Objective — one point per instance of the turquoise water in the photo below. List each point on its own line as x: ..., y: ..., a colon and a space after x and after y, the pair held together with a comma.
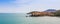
x: 19, y: 18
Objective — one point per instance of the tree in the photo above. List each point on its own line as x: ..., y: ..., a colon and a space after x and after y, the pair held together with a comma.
x: 57, y: 13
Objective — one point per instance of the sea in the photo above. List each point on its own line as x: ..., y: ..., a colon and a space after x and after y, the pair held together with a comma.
x: 20, y: 18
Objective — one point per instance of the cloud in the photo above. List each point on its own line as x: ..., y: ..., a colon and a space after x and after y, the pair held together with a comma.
x: 23, y: 2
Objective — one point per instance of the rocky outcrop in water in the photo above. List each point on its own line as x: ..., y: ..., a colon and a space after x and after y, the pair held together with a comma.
x: 41, y: 14
x: 45, y: 13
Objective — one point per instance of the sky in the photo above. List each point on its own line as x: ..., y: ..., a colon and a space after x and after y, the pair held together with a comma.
x: 24, y: 6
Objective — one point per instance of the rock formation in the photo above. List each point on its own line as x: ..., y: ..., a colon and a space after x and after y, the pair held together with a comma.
x: 49, y: 12
x: 41, y: 14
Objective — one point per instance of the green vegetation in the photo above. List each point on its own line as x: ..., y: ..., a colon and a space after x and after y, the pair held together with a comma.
x: 57, y: 13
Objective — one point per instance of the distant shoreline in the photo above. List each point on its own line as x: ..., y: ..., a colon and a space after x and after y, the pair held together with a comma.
x: 43, y: 16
